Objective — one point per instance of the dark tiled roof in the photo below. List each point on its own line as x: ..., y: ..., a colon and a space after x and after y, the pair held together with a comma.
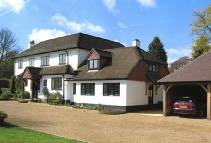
x: 104, y: 54
x: 123, y: 61
x: 198, y: 70
x: 149, y: 58
x: 55, y: 70
x: 78, y: 40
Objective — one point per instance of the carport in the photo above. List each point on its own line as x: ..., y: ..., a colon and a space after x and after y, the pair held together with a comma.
x: 194, y: 78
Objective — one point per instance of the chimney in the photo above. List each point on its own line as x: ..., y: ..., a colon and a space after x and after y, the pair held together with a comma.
x: 31, y: 44
x: 136, y: 42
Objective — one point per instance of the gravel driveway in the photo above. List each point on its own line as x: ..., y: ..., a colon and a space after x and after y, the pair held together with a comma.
x: 90, y: 126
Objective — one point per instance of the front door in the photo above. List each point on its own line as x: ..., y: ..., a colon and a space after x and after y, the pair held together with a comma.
x: 150, y: 96
x: 36, y: 88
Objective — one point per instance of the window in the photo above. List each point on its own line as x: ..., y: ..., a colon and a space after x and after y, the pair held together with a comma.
x: 111, y: 89
x: 62, y: 59
x: 26, y: 82
x: 152, y: 68
x: 45, y: 82
x: 93, y: 64
x: 56, y: 83
x: 74, y: 88
x: 20, y: 64
x: 31, y: 62
x: 87, y: 89
x: 45, y: 61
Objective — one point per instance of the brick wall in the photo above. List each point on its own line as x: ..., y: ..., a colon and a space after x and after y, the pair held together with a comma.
x: 138, y: 73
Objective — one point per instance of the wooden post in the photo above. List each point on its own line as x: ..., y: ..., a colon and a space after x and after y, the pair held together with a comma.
x: 164, y: 100
x: 22, y: 89
x: 209, y: 101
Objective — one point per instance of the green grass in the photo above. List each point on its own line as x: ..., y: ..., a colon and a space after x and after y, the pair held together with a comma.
x: 13, y: 134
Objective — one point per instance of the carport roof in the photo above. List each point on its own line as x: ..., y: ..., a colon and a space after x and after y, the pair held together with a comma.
x: 197, y: 71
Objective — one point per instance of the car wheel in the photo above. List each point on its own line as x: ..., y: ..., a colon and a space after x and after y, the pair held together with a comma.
x: 201, y: 113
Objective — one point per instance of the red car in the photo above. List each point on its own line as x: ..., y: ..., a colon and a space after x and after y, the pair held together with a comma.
x: 190, y: 105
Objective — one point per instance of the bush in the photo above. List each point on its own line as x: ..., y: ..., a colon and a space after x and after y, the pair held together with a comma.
x: 18, y: 84
x: 3, y: 115
x: 55, y: 96
x: 12, y: 84
x: 2, y: 90
x: 26, y: 95
x: 4, y: 83
x: 6, y: 95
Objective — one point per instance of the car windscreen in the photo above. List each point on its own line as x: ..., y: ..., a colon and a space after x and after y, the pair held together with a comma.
x: 185, y: 99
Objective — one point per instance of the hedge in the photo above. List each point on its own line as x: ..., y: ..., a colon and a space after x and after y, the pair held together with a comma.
x: 4, y: 83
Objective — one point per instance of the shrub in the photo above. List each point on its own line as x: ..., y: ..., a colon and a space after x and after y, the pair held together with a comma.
x: 6, y: 95
x: 12, y: 84
x: 55, y: 96
x: 26, y: 95
x: 18, y: 83
x: 4, y: 83
x: 95, y: 107
x: 2, y: 90
x: 3, y: 115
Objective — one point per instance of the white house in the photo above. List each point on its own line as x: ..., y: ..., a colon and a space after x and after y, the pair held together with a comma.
x: 92, y: 70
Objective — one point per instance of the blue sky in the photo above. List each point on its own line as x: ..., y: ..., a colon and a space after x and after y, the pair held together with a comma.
x: 118, y: 20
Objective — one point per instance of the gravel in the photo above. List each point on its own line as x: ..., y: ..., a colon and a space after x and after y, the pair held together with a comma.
x: 90, y: 126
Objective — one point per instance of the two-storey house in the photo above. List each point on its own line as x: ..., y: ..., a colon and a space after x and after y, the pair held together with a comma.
x: 92, y: 70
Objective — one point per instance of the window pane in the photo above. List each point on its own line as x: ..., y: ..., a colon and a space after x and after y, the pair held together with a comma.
x: 92, y: 89
x: 111, y: 89
x: 74, y: 88
x: 47, y: 62
x: 105, y: 89
x: 88, y: 89
x: 83, y: 89
x: 91, y: 64
x: 116, y: 89
x: 95, y: 64
x: 64, y: 59
x: 150, y: 67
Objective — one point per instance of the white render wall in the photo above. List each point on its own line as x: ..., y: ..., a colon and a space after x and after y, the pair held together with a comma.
x: 75, y: 58
x: 136, y: 93
x: 98, y: 97
x: 159, y: 96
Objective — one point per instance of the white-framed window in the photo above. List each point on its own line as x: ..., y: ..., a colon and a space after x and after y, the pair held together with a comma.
x: 20, y: 64
x: 62, y: 59
x: 45, y: 61
x: 31, y: 62
x: 93, y: 64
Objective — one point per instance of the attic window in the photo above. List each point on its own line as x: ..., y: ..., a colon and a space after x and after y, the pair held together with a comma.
x: 93, y: 64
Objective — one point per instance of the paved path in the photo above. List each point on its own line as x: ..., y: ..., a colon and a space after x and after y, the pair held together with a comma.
x: 89, y: 126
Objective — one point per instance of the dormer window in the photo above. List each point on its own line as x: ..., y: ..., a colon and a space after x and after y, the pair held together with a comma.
x: 93, y: 64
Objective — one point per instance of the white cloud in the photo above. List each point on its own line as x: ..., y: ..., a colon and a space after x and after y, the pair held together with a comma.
x: 122, y: 25
x: 45, y: 34
x: 11, y: 5
x: 110, y: 5
x: 76, y: 27
x: 147, y: 3
x: 176, y: 53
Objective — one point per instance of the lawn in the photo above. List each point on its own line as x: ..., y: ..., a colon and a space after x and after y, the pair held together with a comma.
x: 13, y: 134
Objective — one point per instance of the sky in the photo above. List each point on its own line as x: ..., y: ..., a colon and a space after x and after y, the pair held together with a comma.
x: 117, y: 20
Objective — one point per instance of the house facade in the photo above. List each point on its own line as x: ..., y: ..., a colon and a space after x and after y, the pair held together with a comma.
x: 92, y: 70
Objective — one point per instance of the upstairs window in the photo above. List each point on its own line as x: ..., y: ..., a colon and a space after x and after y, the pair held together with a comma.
x: 152, y: 68
x: 45, y: 61
x: 20, y: 64
x: 62, y: 59
x: 31, y: 62
x: 93, y: 64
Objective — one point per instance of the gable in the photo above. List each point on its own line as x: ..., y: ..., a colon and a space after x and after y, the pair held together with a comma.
x: 94, y: 56
x: 26, y: 75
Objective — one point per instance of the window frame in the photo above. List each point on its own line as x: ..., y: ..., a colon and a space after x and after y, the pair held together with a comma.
x: 56, y: 83
x: 26, y: 82
x: 111, y: 89
x: 20, y: 64
x: 74, y: 88
x: 152, y: 68
x: 31, y: 60
x: 86, y: 89
x: 45, y: 82
x: 93, y: 64
x: 62, y: 59
x: 45, y: 60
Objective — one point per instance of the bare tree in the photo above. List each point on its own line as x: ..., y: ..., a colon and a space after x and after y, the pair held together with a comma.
x: 8, y: 42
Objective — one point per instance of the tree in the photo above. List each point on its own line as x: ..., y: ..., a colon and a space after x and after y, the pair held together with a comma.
x: 8, y: 42
x: 156, y: 49
x: 202, y: 29
x: 200, y: 47
x: 12, y: 84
